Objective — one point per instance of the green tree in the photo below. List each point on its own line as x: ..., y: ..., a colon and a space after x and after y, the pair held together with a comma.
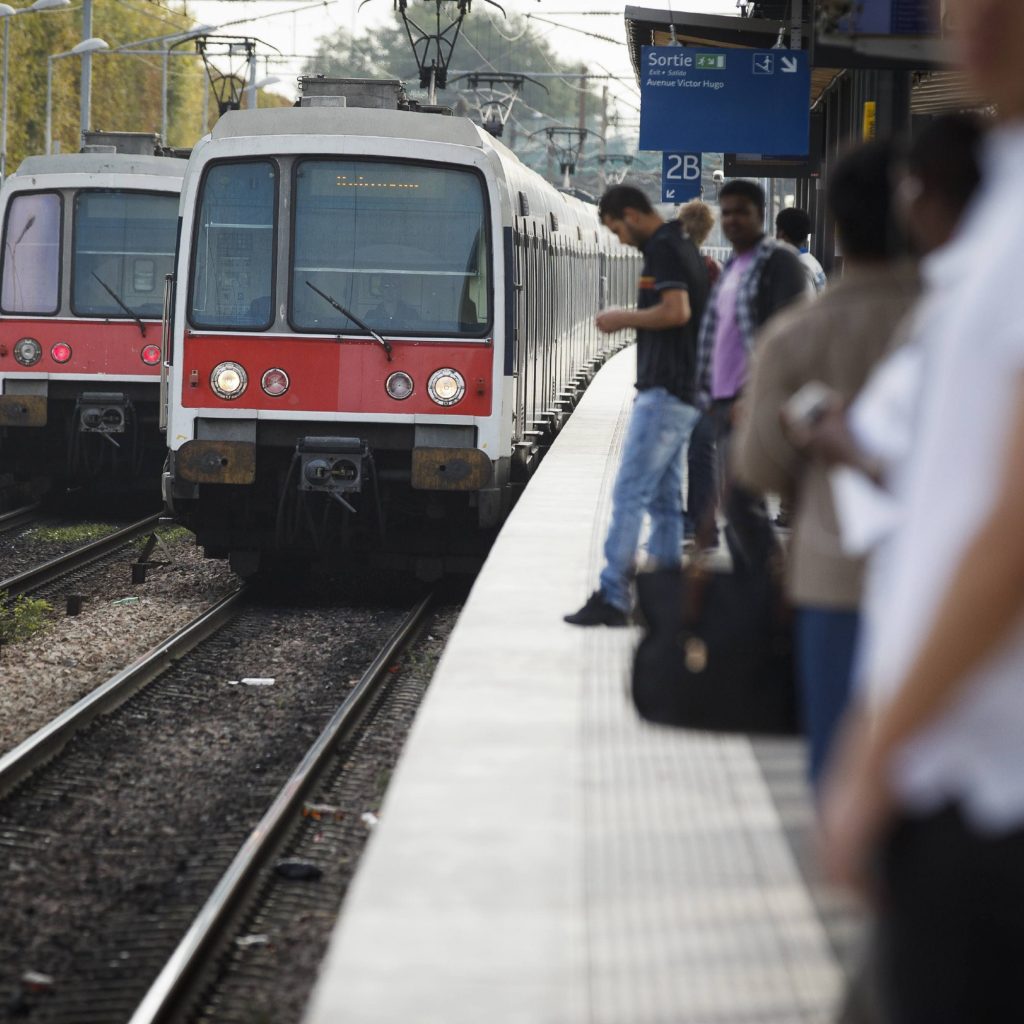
x: 127, y: 89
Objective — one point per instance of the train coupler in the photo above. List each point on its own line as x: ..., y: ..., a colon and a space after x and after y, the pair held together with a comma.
x: 103, y: 412
x: 333, y: 466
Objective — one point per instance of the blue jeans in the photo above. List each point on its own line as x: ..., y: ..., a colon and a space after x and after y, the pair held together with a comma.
x: 826, y: 641
x: 649, y: 480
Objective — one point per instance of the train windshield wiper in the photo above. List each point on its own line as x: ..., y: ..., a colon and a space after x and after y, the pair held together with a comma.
x: 117, y: 298
x: 359, y: 323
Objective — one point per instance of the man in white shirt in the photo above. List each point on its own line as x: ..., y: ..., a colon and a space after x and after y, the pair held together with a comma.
x: 793, y: 225
x: 930, y: 787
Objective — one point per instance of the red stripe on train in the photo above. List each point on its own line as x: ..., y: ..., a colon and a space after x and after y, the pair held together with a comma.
x: 111, y: 349
x: 331, y: 376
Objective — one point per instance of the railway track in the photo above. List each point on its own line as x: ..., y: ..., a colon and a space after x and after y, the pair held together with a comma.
x: 19, y: 763
x: 122, y: 817
x: 19, y: 518
x: 79, y: 558
x: 175, y: 990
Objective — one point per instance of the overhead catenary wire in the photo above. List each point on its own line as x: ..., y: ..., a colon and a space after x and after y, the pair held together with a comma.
x: 571, y: 28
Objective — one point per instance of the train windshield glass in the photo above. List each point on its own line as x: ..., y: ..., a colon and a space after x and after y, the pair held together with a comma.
x: 402, y: 246
x: 123, y: 246
x: 31, y: 276
x: 233, y: 264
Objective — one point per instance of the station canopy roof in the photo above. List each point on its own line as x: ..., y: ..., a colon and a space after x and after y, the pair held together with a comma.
x: 662, y: 26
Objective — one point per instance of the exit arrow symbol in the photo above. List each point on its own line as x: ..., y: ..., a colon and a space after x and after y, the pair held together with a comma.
x: 671, y: 193
x: 789, y: 65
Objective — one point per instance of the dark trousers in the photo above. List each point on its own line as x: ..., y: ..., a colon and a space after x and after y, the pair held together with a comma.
x: 826, y: 641
x: 701, y: 472
x: 951, y: 927
x: 704, y: 457
x: 748, y: 533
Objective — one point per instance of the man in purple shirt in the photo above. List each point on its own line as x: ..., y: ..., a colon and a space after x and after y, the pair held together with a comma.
x: 762, y: 277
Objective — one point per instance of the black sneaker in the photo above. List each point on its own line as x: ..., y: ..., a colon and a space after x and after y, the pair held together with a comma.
x: 598, y: 612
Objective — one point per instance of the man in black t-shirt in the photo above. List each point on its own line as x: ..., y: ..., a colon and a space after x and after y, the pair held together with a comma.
x: 672, y: 292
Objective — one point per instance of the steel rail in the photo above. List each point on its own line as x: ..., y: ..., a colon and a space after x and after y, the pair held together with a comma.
x: 19, y: 516
x: 185, y: 970
x: 32, y: 579
x: 41, y: 746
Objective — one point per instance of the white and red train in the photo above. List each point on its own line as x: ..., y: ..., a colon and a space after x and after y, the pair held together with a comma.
x: 379, y: 318
x: 88, y: 239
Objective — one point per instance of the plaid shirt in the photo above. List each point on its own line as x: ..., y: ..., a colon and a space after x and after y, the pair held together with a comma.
x: 746, y: 310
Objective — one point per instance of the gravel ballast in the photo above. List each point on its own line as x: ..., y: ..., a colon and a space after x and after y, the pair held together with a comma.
x: 71, y: 655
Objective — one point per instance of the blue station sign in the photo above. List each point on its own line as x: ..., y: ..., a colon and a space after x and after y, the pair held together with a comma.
x: 725, y: 101
x: 680, y: 177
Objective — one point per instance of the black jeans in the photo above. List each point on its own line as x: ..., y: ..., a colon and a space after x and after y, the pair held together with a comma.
x: 951, y: 927
x: 701, y: 471
x: 706, y: 459
x: 748, y: 533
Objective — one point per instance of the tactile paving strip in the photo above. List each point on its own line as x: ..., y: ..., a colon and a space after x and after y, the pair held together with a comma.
x: 696, y: 912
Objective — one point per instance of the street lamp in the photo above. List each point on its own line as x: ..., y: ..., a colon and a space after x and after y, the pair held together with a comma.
x: 84, y: 47
x: 179, y: 37
x: 7, y: 12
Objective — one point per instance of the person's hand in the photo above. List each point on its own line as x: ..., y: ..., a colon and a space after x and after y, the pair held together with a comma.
x: 827, y: 437
x: 857, y: 803
x: 612, y: 320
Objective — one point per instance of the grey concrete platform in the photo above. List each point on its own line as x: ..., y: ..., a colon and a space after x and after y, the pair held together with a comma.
x: 545, y: 858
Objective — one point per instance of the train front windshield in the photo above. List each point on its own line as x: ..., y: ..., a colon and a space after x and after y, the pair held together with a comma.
x: 31, y: 254
x: 122, y: 247
x: 404, y: 247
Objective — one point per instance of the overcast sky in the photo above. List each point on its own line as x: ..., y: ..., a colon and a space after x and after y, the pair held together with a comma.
x: 296, y: 32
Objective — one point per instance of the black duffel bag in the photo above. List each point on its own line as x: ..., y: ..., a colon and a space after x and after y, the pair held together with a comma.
x: 716, y: 653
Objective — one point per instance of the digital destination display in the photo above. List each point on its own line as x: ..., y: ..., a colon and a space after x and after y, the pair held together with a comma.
x: 891, y: 17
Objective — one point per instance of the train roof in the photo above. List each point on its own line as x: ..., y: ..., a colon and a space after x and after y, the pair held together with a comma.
x: 102, y: 163
x: 364, y: 121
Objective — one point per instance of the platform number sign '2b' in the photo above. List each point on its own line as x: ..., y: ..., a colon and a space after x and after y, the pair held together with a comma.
x: 680, y: 177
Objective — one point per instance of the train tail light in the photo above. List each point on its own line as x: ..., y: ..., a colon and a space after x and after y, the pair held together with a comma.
x: 150, y: 354
x: 61, y: 352
x: 399, y: 385
x: 275, y: 382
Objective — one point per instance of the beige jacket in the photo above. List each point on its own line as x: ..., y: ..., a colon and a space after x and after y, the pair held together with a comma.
x: 836, y: 339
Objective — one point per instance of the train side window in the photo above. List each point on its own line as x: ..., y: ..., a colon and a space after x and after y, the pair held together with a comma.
x: 233, y: 256
x: 31, y: 254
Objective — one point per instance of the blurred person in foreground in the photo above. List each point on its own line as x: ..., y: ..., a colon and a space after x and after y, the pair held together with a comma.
x: 930, y: 787
x: 936, y: 182
x: 793, y: 225
x: 672, y: 291
x: 761, y: 277
x: 835, y: 341
x: 697, y: 220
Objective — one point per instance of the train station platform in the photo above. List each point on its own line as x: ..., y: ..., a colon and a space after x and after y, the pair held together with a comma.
x: 544, y: 857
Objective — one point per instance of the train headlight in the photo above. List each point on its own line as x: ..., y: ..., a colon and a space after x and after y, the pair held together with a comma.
x: 446, y: 386
x: 275, y: 382
x: 228, y: 380
x: 28, y: 351
x: 399, y: 385
x: 150, y: 354
x: 61, y: 352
